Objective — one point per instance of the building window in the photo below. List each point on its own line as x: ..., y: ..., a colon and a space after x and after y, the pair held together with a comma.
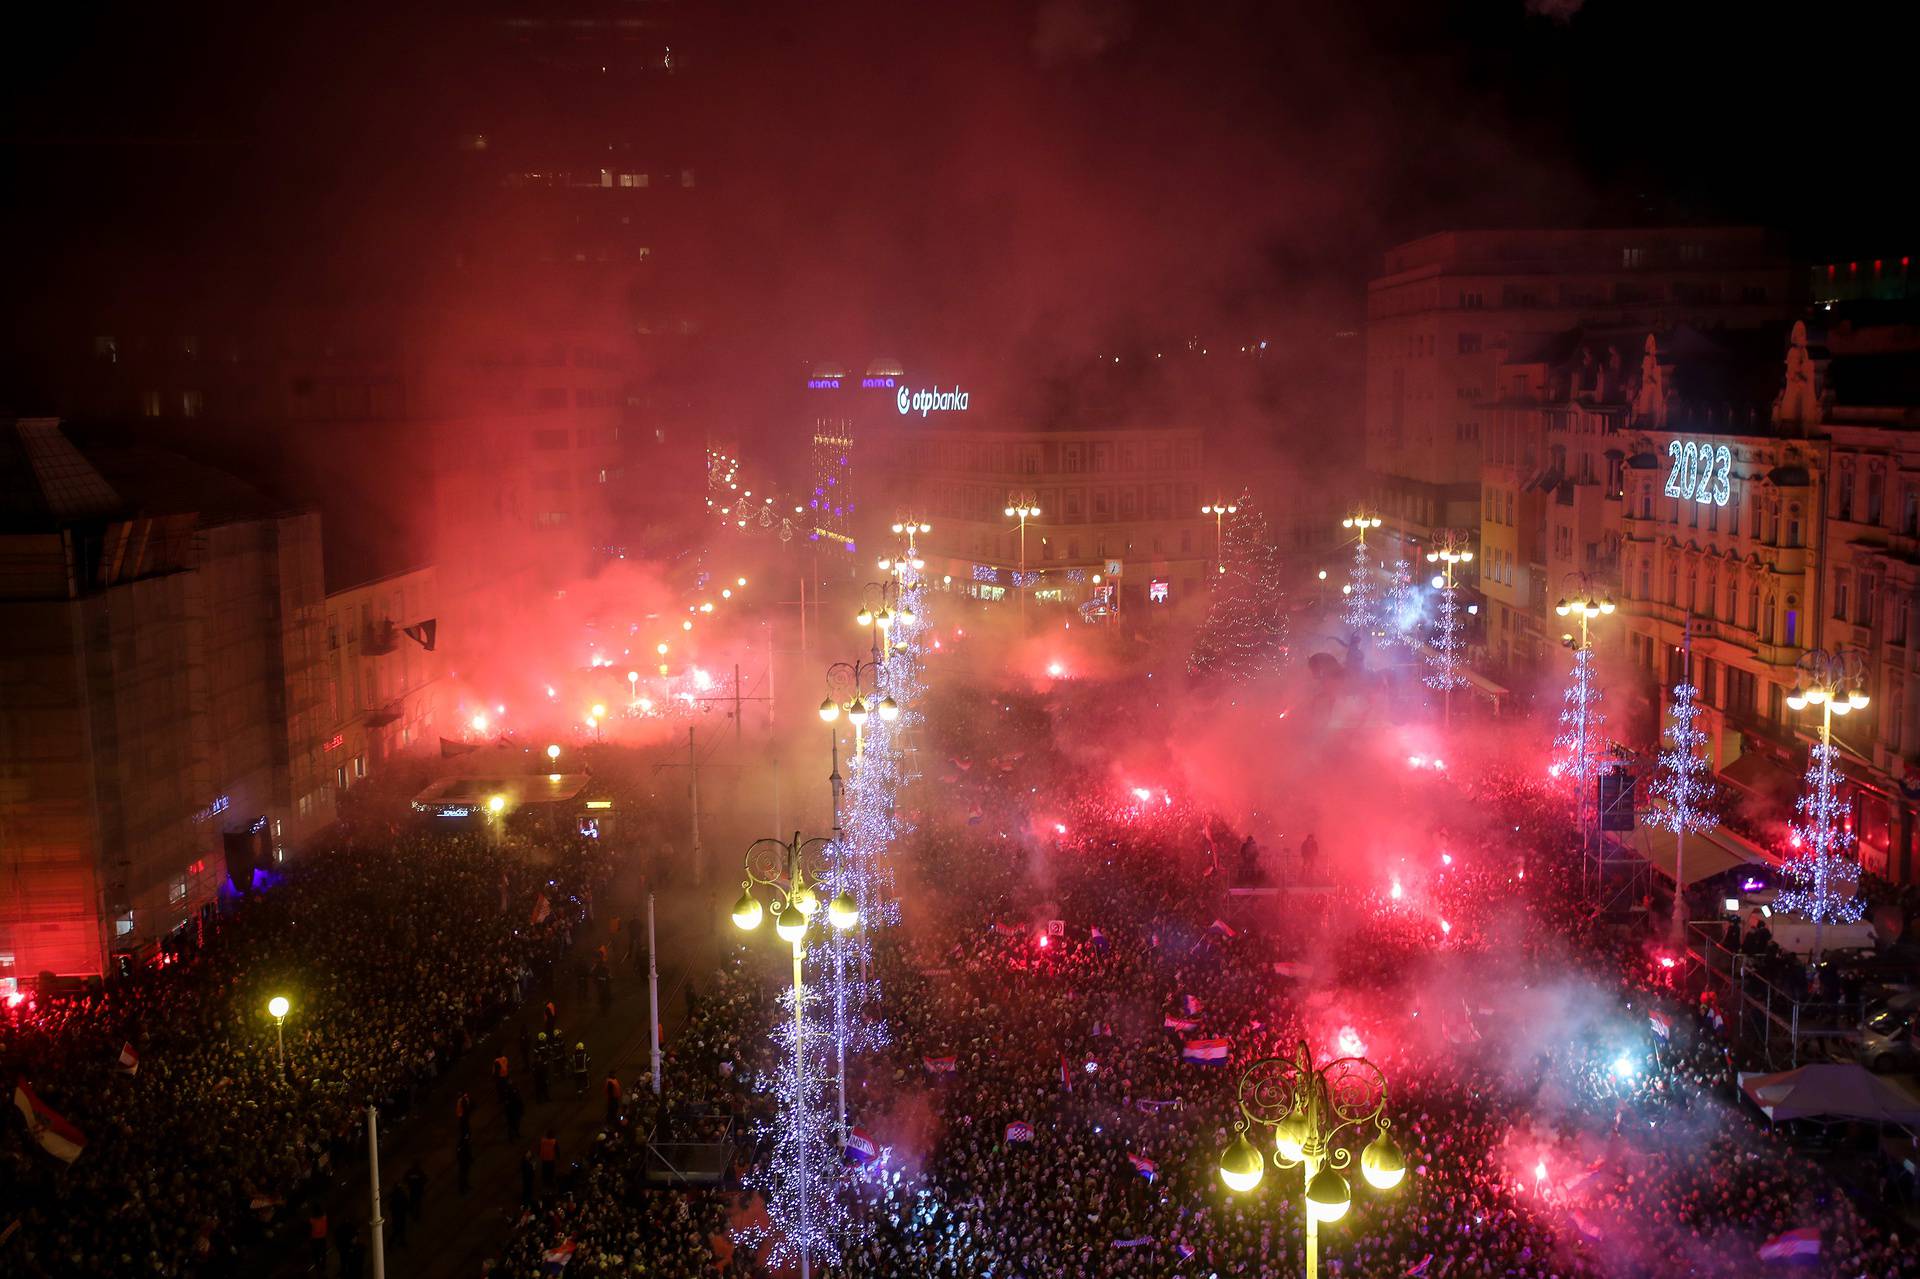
x: 1840, y: 584
x: 1766, y: 621
x: 1793, y: 525
x: 1733, y: 519
x: 1869, y: 588
x: 105, y: 348
x: 1897, y: 619
x: 1876, y: 497
x: 1843, y: 494
x: 1633, y: 259
x: 1910, y: 513
x: 1793, y: 621
x: 1673, y: 583
x: 1469, y: 343
x: 149, y: 404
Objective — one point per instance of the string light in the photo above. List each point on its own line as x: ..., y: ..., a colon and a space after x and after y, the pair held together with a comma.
x: 1580, y: 718
x: 1815, y: 874
x: 1245, y: 634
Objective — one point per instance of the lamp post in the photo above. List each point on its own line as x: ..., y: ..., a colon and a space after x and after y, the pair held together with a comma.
x: 1589, y: 602
x: 844, y: 693
x: 881, y: 608
x: 1310, y: 1110
x: 596, y: 718
x: 1452, y: 549
x: 496, y: 805
x: 777, y: 866
x: 1219, y: 510
x: 1026, y: 505
x: 1835, y: 680
x: 278, y: 1007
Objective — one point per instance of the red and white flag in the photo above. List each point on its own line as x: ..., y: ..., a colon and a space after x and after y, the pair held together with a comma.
x: 56, y: 1136
x: 1804, y: 1242
x: 1207, y: 1052
x: 1191, y: 1005
x: 128, y: 1060
x: 1222, y: 927
x: 1143, y: 1165
x: 861, y: 1148
x: 1180, y: 1023
x: 557, y: 1258
x: 541, y: 909
x: 1019, y: 1130
x: 941, y: 1065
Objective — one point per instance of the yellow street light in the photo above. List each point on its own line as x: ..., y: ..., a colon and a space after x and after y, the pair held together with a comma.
x: 829, y: 710
x: 864, y: 617
x: 889, y: 709
x: 746, y: 911
x: 857, y: 712
x: 842, y: 913
x: 553, y: 751
x: 1241, y: 1167
x: 790, y: 924
x: 495, y: 803
x: 278, y: 1007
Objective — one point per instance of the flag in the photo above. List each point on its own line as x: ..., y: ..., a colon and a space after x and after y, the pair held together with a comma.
x: 128, y: 1060
x: 56, y: 1136
x: 861, y: 1149
x: 1066, y: 1076
x: 1299, y: 972
x: 1019, y: 1130
x: 941, y: 1065
x: 1661, y: 1023
x: 1804, y: 1242
x: 1180, y: 1023
x: 541, y: 908
x: 1192, y: 1005
x: 1009, y: 930
x: 422, y: 633
x: 1143, y: 1165
x: 1207, y: 1051
x: 1580, y: 1179
x: 1097, y: 938
x: 1586, y: 1227
x: 449, y: 750
x: 1147, y: 1106
x: 264, y: 1203
x: 557, y: 1258
x: 1185, y: 1250
x: 1419, y: 1267
x: 1138, y: 1241
x: 1100, y: 1028
x: 1222, y: 927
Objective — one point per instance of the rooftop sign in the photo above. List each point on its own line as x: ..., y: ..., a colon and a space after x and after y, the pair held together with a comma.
x: 934, y: 400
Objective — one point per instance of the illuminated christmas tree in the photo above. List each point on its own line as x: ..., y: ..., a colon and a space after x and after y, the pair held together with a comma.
x: 1245, y: 634
x: 1822, y: 873
x: 1361, y: 614
x: 1402, y: 607
x: 1579, y: 743
x: 1683, y: 784
x: 1443, y: 659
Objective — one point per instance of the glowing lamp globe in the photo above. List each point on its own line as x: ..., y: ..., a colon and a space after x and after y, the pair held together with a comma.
x: 278, y: 1006
x: 884, y: 618
x: 829, y: 710
x: 791, y: 925
x: 842, y: 913
x: 1241, y: 1166
x: 1290, y: 1136
x: 1328, y: 1195
x: 1858, y: 699
x: 1607, y: 606
x: 1562, y: 608
x: 864, y: 617
x: 889, y: 709
x: 599, y: 711
x: 806, y: 901
x: 857, y: 712
x: 633, y: 677
x: 496, y: 803
x: 553, y: 751
x: 746, y: 912
x: 1796, y: 701
x: 1382, y: 1164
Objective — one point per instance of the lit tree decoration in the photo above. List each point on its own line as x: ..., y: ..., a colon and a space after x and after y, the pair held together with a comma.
x: 1824, y: 863
x: 1443, y: 659
x: 1402, y: 607
x: 1360, y: 603
x: 1579, y: 742
x: 1245, y: 634
x: 802, y: 1178
x: 1684, y: 783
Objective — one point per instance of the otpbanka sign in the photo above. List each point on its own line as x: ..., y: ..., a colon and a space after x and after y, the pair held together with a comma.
x: 934, y: 400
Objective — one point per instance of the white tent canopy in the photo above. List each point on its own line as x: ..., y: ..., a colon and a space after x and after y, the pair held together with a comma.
x: 1831, y: 1090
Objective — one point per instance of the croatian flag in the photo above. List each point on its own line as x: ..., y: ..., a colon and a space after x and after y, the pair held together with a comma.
x: 1098, y: 938
x: 1100, y: 1028
x: 1662, y: 1024
x: 1222, y: 927
x: 941, y: 1065
x: 541, y: 910
x: 1420, y: 1267
x: 557, y: 1258
x: 1143, y: 1165
x: 861, y: 1149
x: 1191, y: 1004
x: 56, y: 1136
x: 1804, y: 1242
x: 1180, y: 1023
x: 1207, y: 1051
x: 1185, y: 1250
x: 1066, y: 1076
x: 1019, y: 1130
x: 128, y: 1060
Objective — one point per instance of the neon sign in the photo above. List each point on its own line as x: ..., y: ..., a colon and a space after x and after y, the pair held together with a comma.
x: 877, y: 383
x: 935, y: 400
x: 823, y: 384
x: 212, y: 810
x: 1701, y: 471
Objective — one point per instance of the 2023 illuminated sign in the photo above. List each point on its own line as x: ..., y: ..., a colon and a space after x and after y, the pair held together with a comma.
x: 1701, y: 471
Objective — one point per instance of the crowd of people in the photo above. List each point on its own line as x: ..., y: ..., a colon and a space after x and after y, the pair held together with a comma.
x: 396, y: 951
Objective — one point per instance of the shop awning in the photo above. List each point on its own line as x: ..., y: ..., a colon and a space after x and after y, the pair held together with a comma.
x: 1708, y: 853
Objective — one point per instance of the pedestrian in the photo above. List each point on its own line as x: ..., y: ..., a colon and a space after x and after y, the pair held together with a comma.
x: 501, y: 1067
x: 526, y: 1178
x: 577, y: 1067
x: 513, y: 1108
x: 553, y: 1018
x: 463, y: 1162
x: 463, y: 1113
x: 416, y: 1188
x: 540, y: 1067
x: 317, y: 1237
x: 613, y: 1099
x: 603, y: 985
x: 549, y: 1156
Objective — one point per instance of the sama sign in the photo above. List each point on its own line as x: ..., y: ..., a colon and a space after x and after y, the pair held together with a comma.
x: 1701, y: 471
x: 923, y: 402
